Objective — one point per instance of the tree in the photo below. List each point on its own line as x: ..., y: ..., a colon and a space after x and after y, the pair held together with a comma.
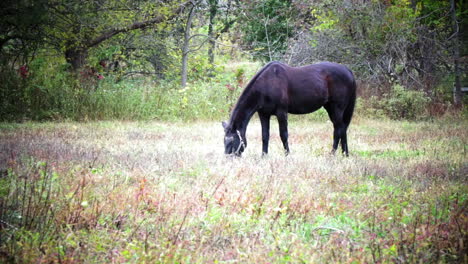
x: 457, y: 96
x: 218, y: 9
x: 79, y: 27
x: 186, y: 43
x: 213, y: 11
x: 196, y: 21
x: 267, y: 26
x: 386, y: 43
x: 20, y: 28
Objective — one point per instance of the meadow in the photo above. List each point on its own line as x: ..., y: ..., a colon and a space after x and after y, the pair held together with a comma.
x: 164, y: 192
x: 111, y: 143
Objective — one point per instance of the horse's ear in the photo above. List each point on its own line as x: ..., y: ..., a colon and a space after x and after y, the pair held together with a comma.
x: 224, y: 124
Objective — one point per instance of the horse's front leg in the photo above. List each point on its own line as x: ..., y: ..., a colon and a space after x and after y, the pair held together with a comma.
x: 283, y: 129
x: 265, y: 121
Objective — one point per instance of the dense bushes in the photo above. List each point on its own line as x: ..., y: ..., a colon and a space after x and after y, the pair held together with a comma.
x: 11, y: 95
x: 403, y: 103
x: 399, y: 103
x: 50, y: 92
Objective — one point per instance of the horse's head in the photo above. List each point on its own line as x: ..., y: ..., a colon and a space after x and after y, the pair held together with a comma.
x: 234, y: 143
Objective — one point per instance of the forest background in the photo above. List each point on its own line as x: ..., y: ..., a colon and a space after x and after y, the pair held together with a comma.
x: 176, y: 60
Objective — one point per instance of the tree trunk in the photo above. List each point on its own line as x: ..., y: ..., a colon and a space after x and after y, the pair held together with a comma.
x: 186, y: 47
x: 76, y: 57
x: 457, y: 95
x: 212, y: 43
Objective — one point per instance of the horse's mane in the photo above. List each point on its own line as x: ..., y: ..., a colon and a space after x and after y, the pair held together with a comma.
x: 252, y: 81
x: 247, y: 89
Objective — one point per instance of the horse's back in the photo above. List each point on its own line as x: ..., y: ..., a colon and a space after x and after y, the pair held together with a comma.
x: 312, y: 86
x: 305, y: 89
x: 340, y: 80
x: 335, y: 72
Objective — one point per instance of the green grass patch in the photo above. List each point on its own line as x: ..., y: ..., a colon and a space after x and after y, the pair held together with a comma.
x: 393, y: 154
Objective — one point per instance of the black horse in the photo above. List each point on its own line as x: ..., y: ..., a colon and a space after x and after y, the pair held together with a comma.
x: 278, y: 89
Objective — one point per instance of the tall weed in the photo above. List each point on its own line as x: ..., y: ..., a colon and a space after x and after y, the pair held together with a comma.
x: 52, y: 92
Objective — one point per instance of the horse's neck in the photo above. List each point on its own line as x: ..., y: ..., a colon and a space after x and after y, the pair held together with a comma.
x: 242, y: 114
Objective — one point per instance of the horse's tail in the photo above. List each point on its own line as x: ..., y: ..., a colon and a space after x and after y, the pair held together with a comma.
x: 348, y: 113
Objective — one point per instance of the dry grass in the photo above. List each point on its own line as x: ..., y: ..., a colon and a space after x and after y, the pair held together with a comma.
x: 164, y: 192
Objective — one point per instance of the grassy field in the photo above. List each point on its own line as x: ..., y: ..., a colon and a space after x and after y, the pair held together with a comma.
x: 154, y: 192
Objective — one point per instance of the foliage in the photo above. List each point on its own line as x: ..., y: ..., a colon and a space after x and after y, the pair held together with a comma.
x: 399, y: 104
x: 28, y: 201
x: 11, y: 95
x: 383, y: 42
x: 267, y: 26
x: 402, y: 103
x: 20, y: 28
x: 51, y: 93
x: 59, y: 60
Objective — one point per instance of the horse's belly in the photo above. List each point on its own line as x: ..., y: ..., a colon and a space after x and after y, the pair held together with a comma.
x: 303, y: 110
x: 306, y: 106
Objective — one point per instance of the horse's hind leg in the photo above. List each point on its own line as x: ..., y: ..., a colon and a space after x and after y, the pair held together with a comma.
x: 344, y: 137
x: 339, y: 128
x: 344, y: 141
x: 336, y: 137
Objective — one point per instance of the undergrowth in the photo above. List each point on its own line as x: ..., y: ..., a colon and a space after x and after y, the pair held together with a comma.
x: 51, y: 92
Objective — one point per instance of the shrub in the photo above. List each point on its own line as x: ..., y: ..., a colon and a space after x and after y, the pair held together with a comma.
x: 402, y: 103
x: 27, y: 210
x: 11, y: 94
x: 52, y: 92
